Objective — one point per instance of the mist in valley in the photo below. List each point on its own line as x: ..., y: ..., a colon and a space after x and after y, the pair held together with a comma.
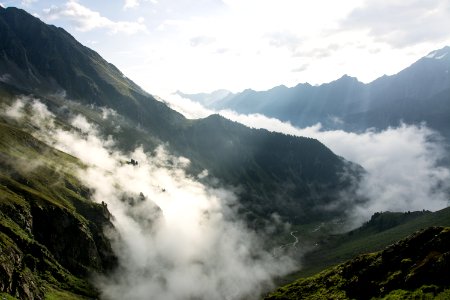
x: 403, y: 164
x: 175, y: 237
x: 178, y: 237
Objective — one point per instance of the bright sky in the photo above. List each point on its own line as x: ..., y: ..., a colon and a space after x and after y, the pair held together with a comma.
x: 204, y: 45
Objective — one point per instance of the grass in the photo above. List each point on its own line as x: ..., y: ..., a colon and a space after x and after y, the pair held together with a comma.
x: 5, y: 296
x: 53, y: 293
x: 33, y: 174
x: 413, y: 268
x: 422, y: 293
x: 339, y: 248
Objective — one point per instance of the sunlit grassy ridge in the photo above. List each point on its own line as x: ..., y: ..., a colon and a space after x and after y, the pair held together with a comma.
x: 47, y: 222
x: 413, y: 268
x: 381, y: 231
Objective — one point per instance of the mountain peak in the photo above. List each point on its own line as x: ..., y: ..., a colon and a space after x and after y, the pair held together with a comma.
x: 344, y: 79
x: 347, y: 77
x: 439, y: 54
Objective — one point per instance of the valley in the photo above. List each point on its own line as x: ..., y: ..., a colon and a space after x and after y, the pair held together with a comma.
x: 108, y: 192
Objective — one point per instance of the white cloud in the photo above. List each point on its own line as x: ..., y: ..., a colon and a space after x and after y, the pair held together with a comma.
x: 15, y: 111
x: 176, y: 238
x: 190, y: 109
x: 269, y: 46
x: 402, y: 163
x: 202, y: 40
x: 402, y: 23
x: 131, y: 4
x: 136, y: 3
x: 259, y: 44
x: 86, y: 19
x: 28, y: 2
x: 82, y: 124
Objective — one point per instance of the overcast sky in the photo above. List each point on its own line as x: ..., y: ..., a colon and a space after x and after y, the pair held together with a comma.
x: 204, y: 45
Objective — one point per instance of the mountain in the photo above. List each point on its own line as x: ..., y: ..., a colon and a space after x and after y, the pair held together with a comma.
x: 47, y: 61
x: 326, y: 253
x: 277, y: 173
x: 52, y: 233
x: 303, y: 104
x: 53, y: 236
x: 418, y: 93
x: 413, y: 268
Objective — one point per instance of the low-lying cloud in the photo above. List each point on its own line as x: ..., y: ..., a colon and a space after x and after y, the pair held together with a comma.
x: 402, y: 163
x: 176, y: 238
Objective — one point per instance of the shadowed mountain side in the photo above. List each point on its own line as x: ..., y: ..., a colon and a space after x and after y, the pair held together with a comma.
x: 295, y: 177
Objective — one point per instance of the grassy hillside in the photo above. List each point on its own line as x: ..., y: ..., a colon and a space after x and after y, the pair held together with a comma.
x: 413, y: 268
x: 51, y: 234
x: 381, y: 231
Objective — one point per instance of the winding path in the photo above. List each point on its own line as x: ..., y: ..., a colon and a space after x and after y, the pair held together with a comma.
x: 294, y: 244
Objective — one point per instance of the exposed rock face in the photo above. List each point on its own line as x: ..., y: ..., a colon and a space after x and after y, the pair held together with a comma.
x: 59, y: 243
x: 51, y: 233
x: 418, y: 264
x: 16, y: 277
x: 71, y: 241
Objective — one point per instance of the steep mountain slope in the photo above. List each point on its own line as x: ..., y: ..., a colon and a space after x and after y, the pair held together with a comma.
x: 51, y: 233
x: 275, y: 173
x: 413, y: 268
x: 46, y: 60
x: 417, y: 93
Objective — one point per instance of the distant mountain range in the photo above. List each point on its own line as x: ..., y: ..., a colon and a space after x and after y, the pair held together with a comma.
x: 419, y: 93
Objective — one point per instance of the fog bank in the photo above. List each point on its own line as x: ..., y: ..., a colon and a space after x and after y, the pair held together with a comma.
x: 175, y: 238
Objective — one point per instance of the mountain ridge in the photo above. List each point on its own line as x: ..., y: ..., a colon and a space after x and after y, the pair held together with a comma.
x: 384, y: 102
